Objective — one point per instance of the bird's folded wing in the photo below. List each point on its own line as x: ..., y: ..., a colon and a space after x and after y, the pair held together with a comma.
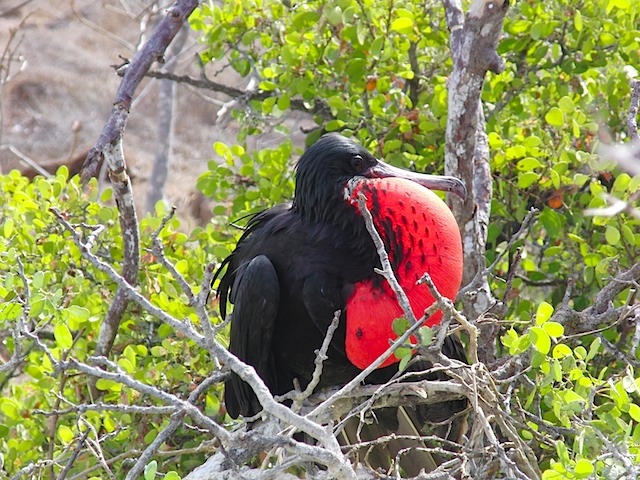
x: 256, y: 302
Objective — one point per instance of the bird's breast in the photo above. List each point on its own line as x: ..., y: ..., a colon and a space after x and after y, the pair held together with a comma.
x: 420, y: 236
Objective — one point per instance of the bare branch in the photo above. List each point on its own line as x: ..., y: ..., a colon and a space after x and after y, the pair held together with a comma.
x: 632, y: 117
x: 319, y: 108
x: 152, y: 51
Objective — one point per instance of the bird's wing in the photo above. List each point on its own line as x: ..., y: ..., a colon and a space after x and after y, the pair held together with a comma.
x: 256, y: 298
x: 322, y: 297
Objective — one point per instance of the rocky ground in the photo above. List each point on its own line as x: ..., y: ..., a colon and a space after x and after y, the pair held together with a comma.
x: 57, y: 84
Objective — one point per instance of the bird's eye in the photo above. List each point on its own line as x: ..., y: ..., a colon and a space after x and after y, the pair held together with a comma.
x: 357, y: 161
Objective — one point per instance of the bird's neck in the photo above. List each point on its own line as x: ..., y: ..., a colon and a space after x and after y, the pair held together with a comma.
x: 344, y: 220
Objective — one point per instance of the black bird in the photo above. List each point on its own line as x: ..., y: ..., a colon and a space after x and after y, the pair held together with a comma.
x: 295, y: 265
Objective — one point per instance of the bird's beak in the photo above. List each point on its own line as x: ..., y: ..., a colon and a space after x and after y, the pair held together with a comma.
x: 432, y: 182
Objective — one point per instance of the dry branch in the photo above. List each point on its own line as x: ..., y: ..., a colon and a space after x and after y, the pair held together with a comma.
x: 109, y: 148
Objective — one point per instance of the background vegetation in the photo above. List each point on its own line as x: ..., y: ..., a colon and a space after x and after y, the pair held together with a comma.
x: 377, y: 71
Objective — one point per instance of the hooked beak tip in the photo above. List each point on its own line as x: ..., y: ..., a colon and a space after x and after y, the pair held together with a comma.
x: 459, y: 189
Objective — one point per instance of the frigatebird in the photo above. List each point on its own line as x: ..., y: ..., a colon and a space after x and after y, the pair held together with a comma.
x: 295, y: 265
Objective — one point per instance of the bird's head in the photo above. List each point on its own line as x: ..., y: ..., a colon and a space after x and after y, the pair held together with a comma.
x: 334, y: 164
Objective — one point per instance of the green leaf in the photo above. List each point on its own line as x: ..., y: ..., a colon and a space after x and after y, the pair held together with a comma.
x: 621, y: 4
x: 552, y: 475
x: 553, y: 329
x: 593, y: 349
x: 65, y: 434
x: 9, y: 407
x: 63, y: 336
x: 8, y: 227
x: 304, y: 20
x: 612, y: 235
x: 561, y: 350
x: 577, y: 21
x: 527, y: 179
x: 400, y: 325
x: 584, y: 468
x: 426, y: 335
x: 555, y: 117
x: 566, y: 104
x: 634, y: 411
x: 402, y: 25
x: 150, y: 470
x: 284, y: 102
x: 404, y: 360
x: 77, y: 313
x: 333, y: 125
x: 543, y: 313
x: 528, y: 164
x: 267, y: 86
x: 556, y: 370
x: 37, y: 281
x: 540, y: 339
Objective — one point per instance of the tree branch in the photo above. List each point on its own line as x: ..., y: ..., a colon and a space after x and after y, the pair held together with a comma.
x: 320, y: 107
x: 473, y: 42
x: 632, y: 116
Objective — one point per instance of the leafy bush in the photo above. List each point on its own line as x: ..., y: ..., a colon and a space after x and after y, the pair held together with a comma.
x: 376, y: 71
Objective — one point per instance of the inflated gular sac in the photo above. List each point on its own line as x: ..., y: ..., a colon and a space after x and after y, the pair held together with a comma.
x: 420, y: 235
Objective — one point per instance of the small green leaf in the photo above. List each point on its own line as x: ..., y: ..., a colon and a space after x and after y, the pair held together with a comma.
x: 402, y: 25
x: 126, y: 365
x: 584, y: 468
x: 38, y: 280
x: 150, y: 470
x: 158, y: 351
x: 527, y: 179
x: 400, y: 325
x: 426, y: 335
x: 561, y: 350
x: 540, y: 339
x: 543, y: 313
x: 593, y: 349
x: 612, y: 235
x: 553, y: 329
x: 267, y: 86
x: 63, y: 336
x: 10, y: 408
x: 566, y: 104
x: 104, y: 384
x: 556, y: 370
x: 8, y: 227
x: 528, y: 164
x: 404, y: 361
x: 284, y: 102
x: 555, y: 117
x: 333, y: 125
x: 634, y: 411
x: 77, y: 313
x: 577, y: 21
x: 65, y: 434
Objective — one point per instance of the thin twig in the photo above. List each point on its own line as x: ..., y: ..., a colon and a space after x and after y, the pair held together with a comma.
x: 632, y: 117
